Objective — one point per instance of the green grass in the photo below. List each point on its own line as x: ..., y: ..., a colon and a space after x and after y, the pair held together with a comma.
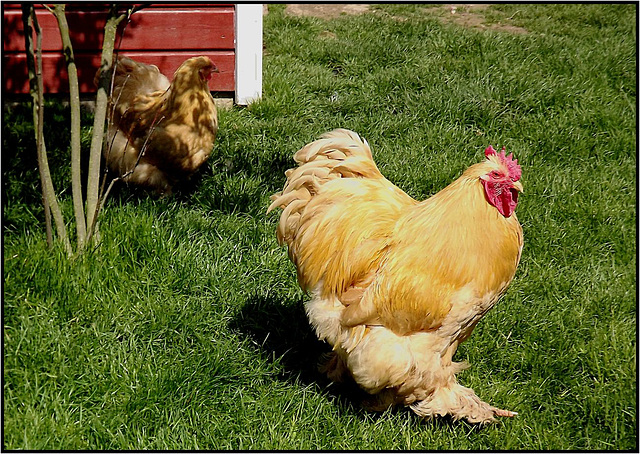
x: 184, y: 328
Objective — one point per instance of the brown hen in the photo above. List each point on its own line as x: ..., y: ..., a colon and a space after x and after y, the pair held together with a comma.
x: 160, y: 133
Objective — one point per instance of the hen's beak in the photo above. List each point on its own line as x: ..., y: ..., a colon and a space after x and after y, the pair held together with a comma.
x: 206, y: 72
x: 518, y: 186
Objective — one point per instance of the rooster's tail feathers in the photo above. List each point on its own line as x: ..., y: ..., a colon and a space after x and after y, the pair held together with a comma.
x: 336, y: 144
x: 337, y: 154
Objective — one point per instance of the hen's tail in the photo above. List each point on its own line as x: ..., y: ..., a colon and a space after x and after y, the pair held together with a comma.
x: 337, y: 154
x: 131, y: 80
x: 141, y: 77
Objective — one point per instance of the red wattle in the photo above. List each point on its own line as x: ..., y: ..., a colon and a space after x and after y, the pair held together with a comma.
x: 501, y: 196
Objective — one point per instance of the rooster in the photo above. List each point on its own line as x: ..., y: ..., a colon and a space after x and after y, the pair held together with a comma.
x: 160, y: 132
x: 396, y: 284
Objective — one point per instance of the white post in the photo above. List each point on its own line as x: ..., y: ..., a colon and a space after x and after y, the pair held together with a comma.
x: 248, y: 52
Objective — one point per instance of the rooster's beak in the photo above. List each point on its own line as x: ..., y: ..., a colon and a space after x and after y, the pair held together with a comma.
x: 518, y: 186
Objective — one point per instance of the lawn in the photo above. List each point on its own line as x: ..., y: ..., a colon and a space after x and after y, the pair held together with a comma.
x: 184, y: 328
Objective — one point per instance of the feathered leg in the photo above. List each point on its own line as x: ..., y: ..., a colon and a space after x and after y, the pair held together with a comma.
x: 459, y: 402
x: 415, y: 370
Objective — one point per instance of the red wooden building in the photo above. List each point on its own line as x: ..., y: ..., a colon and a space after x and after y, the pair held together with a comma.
x: 161, y: 34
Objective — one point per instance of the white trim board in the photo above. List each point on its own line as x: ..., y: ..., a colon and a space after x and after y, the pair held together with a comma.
x: 248, y: 23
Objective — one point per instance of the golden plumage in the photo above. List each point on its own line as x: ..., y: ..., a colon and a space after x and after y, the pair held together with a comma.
x: 397, y: 284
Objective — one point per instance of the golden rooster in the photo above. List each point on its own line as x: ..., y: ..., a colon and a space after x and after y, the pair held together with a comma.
x: 397, y: 284
x: 160, y: 132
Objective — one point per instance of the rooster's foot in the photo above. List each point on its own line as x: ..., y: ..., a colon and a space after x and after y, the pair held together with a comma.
x: 505, y: 413
x: 460, y: 403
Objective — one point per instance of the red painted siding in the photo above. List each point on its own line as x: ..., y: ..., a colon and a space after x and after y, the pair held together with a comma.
x: 163, y: 35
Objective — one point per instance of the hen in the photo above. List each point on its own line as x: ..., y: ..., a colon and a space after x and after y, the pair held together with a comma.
x: 159, y: 132
x: 397, y: 284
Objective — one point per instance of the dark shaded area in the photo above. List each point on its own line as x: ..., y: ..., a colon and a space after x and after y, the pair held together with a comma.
x: 235, y: 180
x: 220, y: 184
x: 21, y: 190
x: 282, y: 333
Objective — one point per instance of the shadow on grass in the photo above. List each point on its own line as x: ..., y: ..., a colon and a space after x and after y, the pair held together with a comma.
x: 123, y: 191
x: 230, y: 187
x: 281, y: 331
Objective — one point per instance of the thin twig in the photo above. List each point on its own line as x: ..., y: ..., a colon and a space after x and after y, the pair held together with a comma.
x: 513, y: 15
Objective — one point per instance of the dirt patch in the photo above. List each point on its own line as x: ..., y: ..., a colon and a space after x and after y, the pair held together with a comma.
x: 325, y: 10
x: 471, y: 15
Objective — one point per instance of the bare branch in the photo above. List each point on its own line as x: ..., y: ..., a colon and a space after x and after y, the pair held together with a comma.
x: 47, y: 220
x: 74, y: 102
x: 36, y: 90
x: 106, y: 68
x: 143, y: 149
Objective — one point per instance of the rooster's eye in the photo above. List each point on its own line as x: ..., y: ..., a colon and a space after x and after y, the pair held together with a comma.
x: 495, y: 174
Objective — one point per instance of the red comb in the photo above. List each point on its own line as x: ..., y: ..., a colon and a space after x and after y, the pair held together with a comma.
x: 515, y: 172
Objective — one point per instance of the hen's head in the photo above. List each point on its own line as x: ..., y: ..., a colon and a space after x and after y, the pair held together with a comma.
x: 205, y: 67
x: 200, y: 67
x: 501, y: 180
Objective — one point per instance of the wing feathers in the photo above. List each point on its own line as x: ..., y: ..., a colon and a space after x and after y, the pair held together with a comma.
x: 338, y: 213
